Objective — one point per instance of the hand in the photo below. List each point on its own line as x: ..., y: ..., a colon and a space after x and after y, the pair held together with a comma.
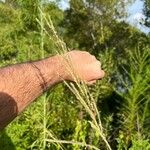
x: 84, y: 65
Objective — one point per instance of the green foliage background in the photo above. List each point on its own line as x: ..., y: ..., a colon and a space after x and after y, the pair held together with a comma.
x: 123, y: 96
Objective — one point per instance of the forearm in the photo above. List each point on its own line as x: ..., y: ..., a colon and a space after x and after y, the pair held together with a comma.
x: 22, y: 83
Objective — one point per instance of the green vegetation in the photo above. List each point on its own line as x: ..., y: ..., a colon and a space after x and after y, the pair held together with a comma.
x: 147, y: 12
x: 115, y: 111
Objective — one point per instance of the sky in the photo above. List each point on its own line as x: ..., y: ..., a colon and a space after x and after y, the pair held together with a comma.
x: 135, y: 14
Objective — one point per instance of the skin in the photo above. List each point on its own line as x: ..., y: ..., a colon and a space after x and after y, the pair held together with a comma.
x: 21, y: 84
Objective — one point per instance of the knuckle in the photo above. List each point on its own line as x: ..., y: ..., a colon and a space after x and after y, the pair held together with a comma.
x: 93, y: 57
x: 86, y: 53
x: 98, y: 63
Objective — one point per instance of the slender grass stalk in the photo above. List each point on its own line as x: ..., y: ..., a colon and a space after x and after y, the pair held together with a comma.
x: 73, y: 142
x: 42, y: 33
x: 53, y: 137
x: 81, y: 90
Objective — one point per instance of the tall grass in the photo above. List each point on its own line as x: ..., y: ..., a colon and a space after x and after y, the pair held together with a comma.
x: 135, y: 108
x: 44, y: 96
x: 136, y: 100
x: 80, y: 89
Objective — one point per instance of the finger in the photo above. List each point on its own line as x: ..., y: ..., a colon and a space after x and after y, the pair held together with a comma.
x: 96, y: 64
x: 93, y: 58
x: 98, y: 75
x: 91, y: 82
x: 101, y: 74
x: 95, y: 71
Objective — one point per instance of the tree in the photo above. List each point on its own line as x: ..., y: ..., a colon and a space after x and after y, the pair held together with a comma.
x: 147, y: 12
x: 91, y: 23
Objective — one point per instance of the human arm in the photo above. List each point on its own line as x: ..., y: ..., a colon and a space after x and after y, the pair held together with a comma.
x: 21, y: 84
